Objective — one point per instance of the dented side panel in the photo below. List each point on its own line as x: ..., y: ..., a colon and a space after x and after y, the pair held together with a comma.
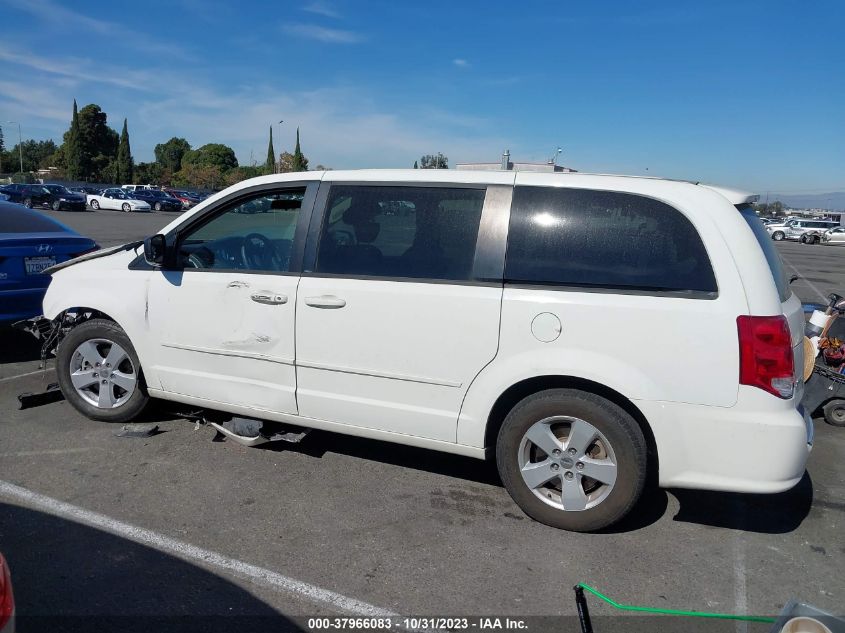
x: 225, y: 336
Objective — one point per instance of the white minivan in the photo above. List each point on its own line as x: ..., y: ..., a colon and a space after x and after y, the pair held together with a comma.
x: 582, y: 330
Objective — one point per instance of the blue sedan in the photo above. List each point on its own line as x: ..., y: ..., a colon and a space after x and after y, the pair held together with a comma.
x: 29, y: 243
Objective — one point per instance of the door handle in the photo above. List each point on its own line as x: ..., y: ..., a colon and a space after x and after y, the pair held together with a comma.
x: 325, y: 301
x: 269, y: 299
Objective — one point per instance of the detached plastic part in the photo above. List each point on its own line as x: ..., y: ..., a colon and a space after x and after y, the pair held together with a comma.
x: 51, y: 394
x: 137, y: 430
x: 253, y: 432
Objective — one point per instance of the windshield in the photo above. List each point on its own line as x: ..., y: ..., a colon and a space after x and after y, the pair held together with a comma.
x: 57, y: 189
x: 768, y: 246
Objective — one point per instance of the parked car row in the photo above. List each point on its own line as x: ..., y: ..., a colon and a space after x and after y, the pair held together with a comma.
x: 56, y: 197
x: 806, y: 231
x: 125, y: 198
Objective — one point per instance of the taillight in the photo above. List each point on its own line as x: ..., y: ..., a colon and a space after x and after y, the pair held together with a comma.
x: 7, y: 599
x: 765, y: 354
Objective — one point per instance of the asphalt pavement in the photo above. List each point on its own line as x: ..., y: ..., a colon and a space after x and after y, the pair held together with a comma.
x: 180, y: 526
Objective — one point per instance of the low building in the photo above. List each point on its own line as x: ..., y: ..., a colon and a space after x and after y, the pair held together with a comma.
x: 507, y: 165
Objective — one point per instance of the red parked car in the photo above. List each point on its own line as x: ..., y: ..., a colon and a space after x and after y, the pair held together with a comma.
x: 7, y: 599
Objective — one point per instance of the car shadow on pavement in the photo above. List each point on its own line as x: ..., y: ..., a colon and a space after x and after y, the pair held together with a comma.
x: 765, y: 514
x: 18, y: 346
x: 649, y: 509
x: 318, y: 443
x: 70, y: 577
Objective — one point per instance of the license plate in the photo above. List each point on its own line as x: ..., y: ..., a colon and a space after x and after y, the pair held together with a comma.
x: 35, y: 265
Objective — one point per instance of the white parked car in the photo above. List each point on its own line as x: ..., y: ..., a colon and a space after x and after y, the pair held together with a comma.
x: 834, y: 236
x: 804, y: 230
x: 581, y: 330
x: 116, y: 198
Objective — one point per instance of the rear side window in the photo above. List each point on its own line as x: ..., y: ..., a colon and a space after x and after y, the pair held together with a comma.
x: 768, y: 246
x: 604, y: 239
x: 410, y: 232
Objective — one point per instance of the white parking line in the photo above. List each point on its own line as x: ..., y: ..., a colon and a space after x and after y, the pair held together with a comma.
x: 54, y: 451
x: 806, y: 281
x: 186, y: 551
x: 31, y: 373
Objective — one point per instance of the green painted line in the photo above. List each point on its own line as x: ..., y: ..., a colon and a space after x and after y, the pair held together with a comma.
x: 696, y: 614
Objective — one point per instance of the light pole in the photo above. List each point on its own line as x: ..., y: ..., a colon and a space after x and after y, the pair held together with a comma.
x: 276, y: 165
x: 20, y: 143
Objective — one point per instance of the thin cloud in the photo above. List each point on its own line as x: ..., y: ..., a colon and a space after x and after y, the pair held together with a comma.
x: 321, y: 8
x: 60, y: 16
x: 80, y: 70
x: 323, y: 34
x: 460, y: 63
x: 52, y: 12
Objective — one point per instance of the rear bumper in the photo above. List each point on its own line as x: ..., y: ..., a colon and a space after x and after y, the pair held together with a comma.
x: 72, y: 206
x: 16, y: 305
x: 738, y: 449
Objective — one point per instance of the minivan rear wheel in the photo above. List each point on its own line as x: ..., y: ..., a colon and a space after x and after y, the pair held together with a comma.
x: 572, y: 459
x: 99, y: 373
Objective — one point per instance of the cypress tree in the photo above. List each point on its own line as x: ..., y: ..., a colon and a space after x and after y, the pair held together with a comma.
x: 73, y: 149
x: 124, y: 166
x: 415, y: 165
x: 271, y: 154
x: 299, y: 162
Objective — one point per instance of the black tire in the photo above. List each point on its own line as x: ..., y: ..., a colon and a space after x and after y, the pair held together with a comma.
x: 110, y: 331
x: 621, y: 432
x: 126, y: 207
x: 56, y: 205
x: 777, y: 236
x: 27, y: 202
x: 95, y: 205
x: 816, y: 239
x: 157, y: 206
x: 834, y: 412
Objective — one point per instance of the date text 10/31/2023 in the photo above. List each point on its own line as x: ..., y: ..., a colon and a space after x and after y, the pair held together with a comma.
x: 416, y: 623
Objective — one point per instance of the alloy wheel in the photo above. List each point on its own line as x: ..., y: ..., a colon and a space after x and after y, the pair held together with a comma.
x: 103, y: 373
x: 567, y: 463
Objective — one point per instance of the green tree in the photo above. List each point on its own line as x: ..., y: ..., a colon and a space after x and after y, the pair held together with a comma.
x: 36, y: 154
x: 99, y: 142
x: 434, y: 161
x: 299, y: 162
x: 199, y: 176
x: 242, y: 173
x: 169, y: 155
x: 271, y: 155
x: 149, y: 173
x: 124, y: 165
x: 416, y: 166
x: 90, y: 145
x: 211, y: 155
x: 72, y: 148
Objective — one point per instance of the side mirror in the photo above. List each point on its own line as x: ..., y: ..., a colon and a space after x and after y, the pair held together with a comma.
x: 155, y: 250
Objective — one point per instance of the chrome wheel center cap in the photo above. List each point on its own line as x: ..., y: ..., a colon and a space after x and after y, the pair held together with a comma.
x: 567, y: 462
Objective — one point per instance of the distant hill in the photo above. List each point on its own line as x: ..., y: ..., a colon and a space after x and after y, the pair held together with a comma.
x: 834, y: 200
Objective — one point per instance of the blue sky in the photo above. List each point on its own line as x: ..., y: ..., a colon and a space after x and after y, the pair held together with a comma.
x: 742, y: 93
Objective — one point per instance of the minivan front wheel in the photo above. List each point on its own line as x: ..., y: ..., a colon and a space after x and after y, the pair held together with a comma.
x: 99, y: 372
x: 778, y: 236
x: 571, y: 459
